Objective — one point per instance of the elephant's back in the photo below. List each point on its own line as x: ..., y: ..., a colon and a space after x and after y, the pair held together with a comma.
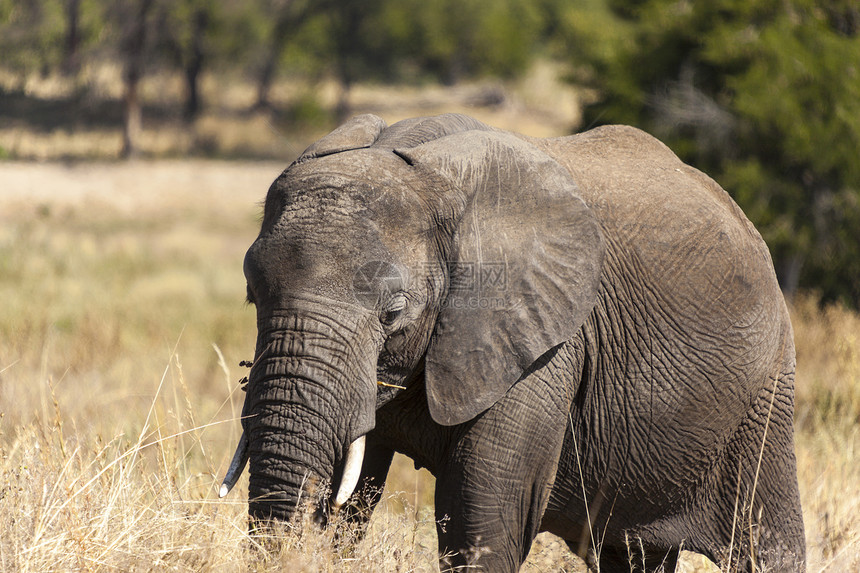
x: 667, y: 223
x: 648, y: 199
x: 686, y: 273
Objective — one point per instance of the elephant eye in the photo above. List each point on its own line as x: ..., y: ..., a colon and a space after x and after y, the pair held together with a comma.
x: 389, y: 317
x: 393, y: 309
x: 249, y: 295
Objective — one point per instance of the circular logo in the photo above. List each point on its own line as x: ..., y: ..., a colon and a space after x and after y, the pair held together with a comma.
x: 375, y: 281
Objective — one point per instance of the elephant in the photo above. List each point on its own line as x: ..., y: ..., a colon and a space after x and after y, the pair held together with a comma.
x: 581, y: 335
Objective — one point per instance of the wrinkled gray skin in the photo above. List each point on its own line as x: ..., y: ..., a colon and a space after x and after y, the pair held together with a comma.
x: 625, y: 363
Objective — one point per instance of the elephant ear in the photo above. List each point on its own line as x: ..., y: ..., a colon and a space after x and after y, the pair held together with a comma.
x: 359, y: 132
x: 523, y: 268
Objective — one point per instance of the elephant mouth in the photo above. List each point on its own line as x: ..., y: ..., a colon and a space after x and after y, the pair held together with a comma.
x: 348, y: 481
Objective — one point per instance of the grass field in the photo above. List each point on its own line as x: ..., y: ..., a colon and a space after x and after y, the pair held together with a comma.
x: 122, y: 324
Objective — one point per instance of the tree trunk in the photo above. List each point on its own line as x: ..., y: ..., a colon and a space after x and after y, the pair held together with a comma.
x: 350, y: 21
x: 194, y: 65
x: 285, y: 21
x: 134, y: 45
x: 788, y: 270
x: 343, y: 111
x: 71, y: 57
x: 132, y: 120
x: 264, y: 85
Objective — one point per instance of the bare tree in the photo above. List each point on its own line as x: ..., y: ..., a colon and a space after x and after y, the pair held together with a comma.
x: 134, y: 54
x: 277, y: 42
x: 194, y: 63
x: 72, y: 44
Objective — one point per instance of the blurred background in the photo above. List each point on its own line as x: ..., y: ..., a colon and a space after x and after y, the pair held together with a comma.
x: 762, y: 95
x: 138, y: 137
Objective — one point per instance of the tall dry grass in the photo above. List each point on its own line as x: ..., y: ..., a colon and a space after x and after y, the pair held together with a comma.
x: 828, y: 432
x: 121, y: 329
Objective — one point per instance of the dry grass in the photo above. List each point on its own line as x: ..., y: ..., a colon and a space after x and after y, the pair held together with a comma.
x: 828, y: 432
x: 121, y: 325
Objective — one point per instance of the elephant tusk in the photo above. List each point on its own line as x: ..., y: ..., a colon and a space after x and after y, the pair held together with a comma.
x: 240, y: 458
x: 351, y: 472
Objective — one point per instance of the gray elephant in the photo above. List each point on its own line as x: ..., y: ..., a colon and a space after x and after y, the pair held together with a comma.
x: 581, y: 335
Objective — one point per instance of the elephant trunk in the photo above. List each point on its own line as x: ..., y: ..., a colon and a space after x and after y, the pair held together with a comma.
x: 287, y: 460
x: 311, y: 399
x: 348, y: 481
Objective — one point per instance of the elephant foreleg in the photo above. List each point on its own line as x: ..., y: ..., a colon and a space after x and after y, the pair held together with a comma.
x: 492, y: 491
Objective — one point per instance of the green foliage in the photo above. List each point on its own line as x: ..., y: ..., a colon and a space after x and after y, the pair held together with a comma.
x: 31, y: 34
x: 306, y: 112
x: 406, y: 39
x: 389, y: 40
x: 764, y: 95
x: 453, y: 39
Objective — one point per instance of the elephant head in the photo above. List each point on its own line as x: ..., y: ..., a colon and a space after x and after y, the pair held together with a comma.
x: 436, y: 251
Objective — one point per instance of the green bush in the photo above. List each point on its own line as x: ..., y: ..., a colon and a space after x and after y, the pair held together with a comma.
x: 763, y: 95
